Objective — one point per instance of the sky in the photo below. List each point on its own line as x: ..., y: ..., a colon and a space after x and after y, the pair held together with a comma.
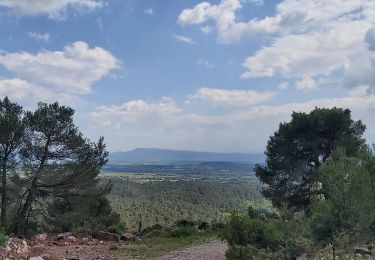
x: 189, y: 75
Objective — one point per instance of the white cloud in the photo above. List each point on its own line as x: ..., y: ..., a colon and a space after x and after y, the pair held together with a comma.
x: 40, y: 36
x: 29, y: 94
x: 224, y: 17
x: 306, y: 84
x: 205, y: 64
x: 72, y: 70
x: 55, y: 75
x: 313, y: 38
x: 52, y: 8
x: 135, y: 110
x: 206, y: 29
x: 309, y: 38
x: 360, y: 72
x: 141, y: 124
x: 230, y: 97
x: 283, y: 86
x: 182, y: 38
x: 149, y: 11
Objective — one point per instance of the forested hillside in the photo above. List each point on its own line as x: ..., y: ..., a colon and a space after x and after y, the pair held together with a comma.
x: 164, y: 200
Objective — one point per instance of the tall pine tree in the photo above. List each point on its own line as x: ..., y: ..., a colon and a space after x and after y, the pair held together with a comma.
x: 57, y: 162
x: 11, y: 134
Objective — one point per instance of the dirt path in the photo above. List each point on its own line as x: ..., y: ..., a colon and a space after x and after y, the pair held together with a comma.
x: 77, y: 250
x: 214, y: 250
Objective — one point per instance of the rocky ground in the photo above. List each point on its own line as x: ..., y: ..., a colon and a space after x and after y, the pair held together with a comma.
x: 214, y: 250
x: 69, y: 247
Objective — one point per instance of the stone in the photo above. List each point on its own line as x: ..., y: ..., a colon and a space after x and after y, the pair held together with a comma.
x: 107, y: 236
x: 72, y: 239
x: 17, y: 246
x: 41, y: 237
x: 62, y: 236
x: 36, y: 258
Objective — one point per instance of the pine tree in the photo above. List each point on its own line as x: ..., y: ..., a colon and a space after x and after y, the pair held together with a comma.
x: 11, y: 134
x: 57, y: 162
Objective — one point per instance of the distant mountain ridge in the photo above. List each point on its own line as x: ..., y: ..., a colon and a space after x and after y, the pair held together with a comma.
x: 156, y: 155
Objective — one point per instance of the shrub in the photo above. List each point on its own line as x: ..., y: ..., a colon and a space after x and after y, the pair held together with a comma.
x: 252, y: 253
x: 185, y: 223
x: 154, y: 231
x: 204, y: 226
x: 243, y: 230
x: 183, y: 232
x: 3, y: 238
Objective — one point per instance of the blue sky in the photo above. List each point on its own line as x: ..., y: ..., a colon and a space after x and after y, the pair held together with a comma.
x: 213, y: 76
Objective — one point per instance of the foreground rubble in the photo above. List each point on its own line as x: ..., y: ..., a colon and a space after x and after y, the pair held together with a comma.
x: 63, y: 246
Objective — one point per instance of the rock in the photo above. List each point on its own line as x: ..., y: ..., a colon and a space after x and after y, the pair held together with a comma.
x: 363, y: 250
x: 41, y: 237
x: 128, y: 237
x: 62, y: 236
x: 107, y: 236
x: 71, y: 239
x: 17, y: 246
x: 371, y: 246
x: 85, y: 240
x: 36, y: 258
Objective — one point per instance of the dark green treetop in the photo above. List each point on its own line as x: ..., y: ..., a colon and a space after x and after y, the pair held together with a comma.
x: 296, y: 151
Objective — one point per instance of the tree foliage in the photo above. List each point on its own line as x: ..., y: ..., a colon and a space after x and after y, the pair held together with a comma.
x: 299, y: 147
x: 45, y: 163
x: 11, y: 136
x: 319, y: 163
x: 348, y: 205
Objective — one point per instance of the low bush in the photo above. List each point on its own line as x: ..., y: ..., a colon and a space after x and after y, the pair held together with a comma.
x: 3, y: 238
x: 183, y: 232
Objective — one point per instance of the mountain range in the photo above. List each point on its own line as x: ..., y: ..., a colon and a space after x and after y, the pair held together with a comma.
x: 156, y: 155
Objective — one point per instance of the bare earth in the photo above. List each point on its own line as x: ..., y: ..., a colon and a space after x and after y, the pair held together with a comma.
x: 214, y: 250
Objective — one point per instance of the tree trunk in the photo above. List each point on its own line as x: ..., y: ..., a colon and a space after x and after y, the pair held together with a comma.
x: 4, y: 197
x: 22, y: 216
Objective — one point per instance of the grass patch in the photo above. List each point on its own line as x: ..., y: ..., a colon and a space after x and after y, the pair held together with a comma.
x: 154, y: 247
x: 114, y: 247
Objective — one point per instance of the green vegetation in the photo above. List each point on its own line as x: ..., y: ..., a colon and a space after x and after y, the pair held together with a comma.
x: 3, y: 238
x: 297, y: 150
x: 50, y: 172
x: 151, y: 247
x: 323, y: 184
x: 165, y: 199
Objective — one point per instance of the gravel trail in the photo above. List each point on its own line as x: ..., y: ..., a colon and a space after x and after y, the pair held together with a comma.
x: 214, y: 250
